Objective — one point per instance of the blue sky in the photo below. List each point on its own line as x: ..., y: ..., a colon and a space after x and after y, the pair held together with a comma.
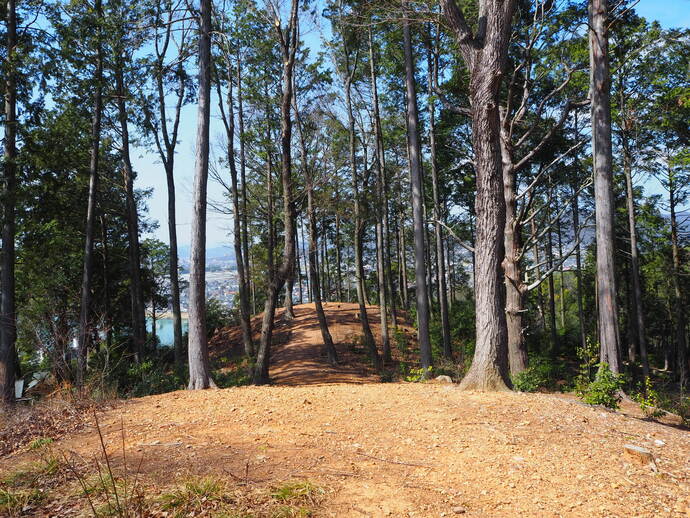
x: 670, y: 13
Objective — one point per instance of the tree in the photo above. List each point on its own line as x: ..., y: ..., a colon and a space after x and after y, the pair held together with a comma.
x: 603, y: 183
x: 199, y: 369
x: 289, y: 42
x: 165, y: 134
x: 85, y: 330
x: 417, y: 203
x: 484, y: 54
x: 8, y: 318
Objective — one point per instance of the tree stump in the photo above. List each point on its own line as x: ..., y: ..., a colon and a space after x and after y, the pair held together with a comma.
x: 640, y: 456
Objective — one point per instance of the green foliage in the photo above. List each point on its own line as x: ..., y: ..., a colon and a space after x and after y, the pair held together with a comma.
x: 649, y: 400
x: 147, y: 378
x: 15, y: 502
x: 234, y: 375
x: 194, y: 496
x: 218, y: 315
x: 418, y: 374
x: 40, y: 443
x: 541, y: 373
x: 605, y: 389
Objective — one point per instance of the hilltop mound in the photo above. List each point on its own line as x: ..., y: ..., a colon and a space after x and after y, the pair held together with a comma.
x: 330, y: 441
x: 296, y: 356
x: 392, y: 449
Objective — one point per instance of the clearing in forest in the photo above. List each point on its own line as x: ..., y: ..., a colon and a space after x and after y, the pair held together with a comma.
x: 327, y: 443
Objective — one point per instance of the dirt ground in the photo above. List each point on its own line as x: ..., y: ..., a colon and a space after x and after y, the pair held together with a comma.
x: 398, y: 449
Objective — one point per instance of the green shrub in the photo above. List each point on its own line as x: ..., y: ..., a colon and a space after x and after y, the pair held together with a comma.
x: 147, y: 378
x: 540, y: 374
x: 649, y: 401
x: 605, y: 389
x: 418, y: 374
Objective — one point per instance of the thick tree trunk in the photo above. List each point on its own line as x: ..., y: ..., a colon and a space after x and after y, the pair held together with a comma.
x: 603, y: 183
x: 485, y: 56
x: 199, y: 368
x: 138, y: 306
x: 289, y: 43
x: 417, y: 203
x: 438, y: 231
x: 84, y: 332
x: 552, y: 299
x: 8, y: 318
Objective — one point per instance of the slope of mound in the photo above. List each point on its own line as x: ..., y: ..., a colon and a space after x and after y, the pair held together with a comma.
x: 296, y: 355
x: 399, y: 450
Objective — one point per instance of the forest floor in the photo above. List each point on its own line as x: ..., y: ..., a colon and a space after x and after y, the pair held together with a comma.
x: 336, y: 442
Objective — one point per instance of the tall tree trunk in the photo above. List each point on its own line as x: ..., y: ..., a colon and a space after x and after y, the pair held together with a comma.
x: 485, y: 56
x: 289, y: 44
x: 243, y: 180
x: 603, y: 183
x: 328, y: 347
x: 107, y: 314
x: 561, y: 274
x: 84, y: 333
x: 578, y: 270
x: 8, y: 317
x: 368, y: 336
x: 515, y: 287
x: 552, y: 298
x: 635, y: 265
x: 229, y: 122
x: 382, y: 265
x: 138, y: 306
x: 199, y: 368
x: 438, y: 231
x: 338, y: 258
x: 417, y: 203
x: 680, y: 320
x: 402, y: 260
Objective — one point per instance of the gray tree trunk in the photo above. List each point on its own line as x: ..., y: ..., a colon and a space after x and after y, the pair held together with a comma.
x: 289, y: 43
x: 138, y: 306
x: 84, y: 332
x: 382, y: 258
x: 199, y: 368
x: 417, y: 203
x: 438, y: 231
x: 603, y: 183
x: 8, y: 320
x: 229, y: 122
x: 485, y: 56
x: 680, y: 320
x: 635, y: 267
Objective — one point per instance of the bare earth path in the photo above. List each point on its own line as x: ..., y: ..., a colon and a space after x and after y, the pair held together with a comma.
x: 300, y: 361
x: 399, y: 449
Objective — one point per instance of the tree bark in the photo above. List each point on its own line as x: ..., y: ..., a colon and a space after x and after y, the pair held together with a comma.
x: 328, y: 347
x: 635, y: 266
x: 229, y: 122
x: 84, y: 332
x: 382, y: 259
x: 199, y: 368
x: 8, y: 320
x: 438, y: 231
x: 485, y: 56
x: 603, y: 183
x: 138, y: 306
x: 681, y: 322
x: 289, y: 43
x: 417, y: 203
